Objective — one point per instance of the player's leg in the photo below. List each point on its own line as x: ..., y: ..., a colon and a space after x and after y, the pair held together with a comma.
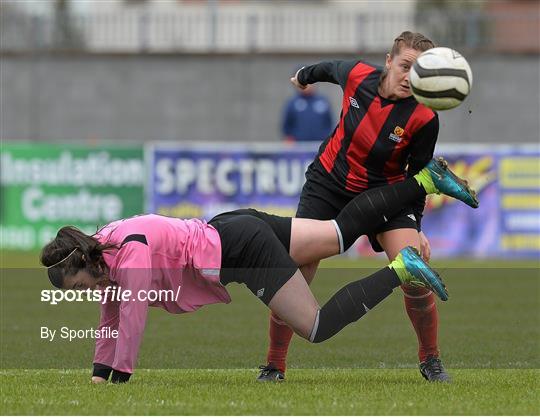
x: 317, y: 201
x: 280, y: 333
x: 313, y: 240
x: 295, y: 303
x: 400, y: 232
x: 419, y: 303
x: 321, y: 200
x: 253, y: 255
x: 362, y: 215
x: 310, y: 240
x: 371, y: 209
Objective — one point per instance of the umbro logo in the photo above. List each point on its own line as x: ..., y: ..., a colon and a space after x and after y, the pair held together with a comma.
x: 410, y: 215
x: 354, y: 103
x: 260, y: 292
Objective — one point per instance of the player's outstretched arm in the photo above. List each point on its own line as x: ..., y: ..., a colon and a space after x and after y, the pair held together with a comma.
x: 335, y: 72
x: 296, y: 83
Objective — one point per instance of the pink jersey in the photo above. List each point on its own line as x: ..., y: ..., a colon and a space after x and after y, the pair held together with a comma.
x: 157, y: 253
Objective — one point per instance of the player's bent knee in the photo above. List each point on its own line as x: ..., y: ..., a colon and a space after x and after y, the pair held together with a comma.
x: 309, y: 271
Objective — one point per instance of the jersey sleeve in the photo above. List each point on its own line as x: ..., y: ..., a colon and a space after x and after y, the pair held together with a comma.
x: 422, y: 149
x: 336, y: 72
x: 133, y: 274
x: 105, y: 347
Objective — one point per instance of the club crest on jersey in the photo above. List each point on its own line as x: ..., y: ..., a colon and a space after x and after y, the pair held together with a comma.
x: 397, y: 135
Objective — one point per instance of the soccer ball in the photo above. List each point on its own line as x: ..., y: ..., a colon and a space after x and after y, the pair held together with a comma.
x: 440, y: 78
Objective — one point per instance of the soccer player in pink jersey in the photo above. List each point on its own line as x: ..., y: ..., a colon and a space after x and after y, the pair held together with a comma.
x: 196, y: 260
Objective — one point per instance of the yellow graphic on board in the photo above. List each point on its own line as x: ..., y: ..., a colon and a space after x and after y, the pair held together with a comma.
x: 520, y: 172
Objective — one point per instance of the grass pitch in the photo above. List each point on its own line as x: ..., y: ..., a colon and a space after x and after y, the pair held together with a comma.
x: 307, y: 392
x: 205, y: 363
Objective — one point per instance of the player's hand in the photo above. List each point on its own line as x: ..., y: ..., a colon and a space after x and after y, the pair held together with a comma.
x: 98, y: 380
x: 296, y: 83
x: 425, y: 248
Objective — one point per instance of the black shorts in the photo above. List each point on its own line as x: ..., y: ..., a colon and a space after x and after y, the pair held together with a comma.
x: 322, y: 198
x: 255, y: 250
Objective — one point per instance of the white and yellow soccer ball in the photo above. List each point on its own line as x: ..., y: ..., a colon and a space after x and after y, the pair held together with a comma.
x: 440, y: 78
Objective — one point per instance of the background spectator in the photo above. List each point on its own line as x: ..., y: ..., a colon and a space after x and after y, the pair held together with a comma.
x: 307, y: 117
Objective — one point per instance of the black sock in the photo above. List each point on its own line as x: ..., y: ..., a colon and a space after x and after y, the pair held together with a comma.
x: 351, y: 302
x: 370, y: 209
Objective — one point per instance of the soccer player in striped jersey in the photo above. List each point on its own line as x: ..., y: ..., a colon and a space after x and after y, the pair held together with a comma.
x: 194, y: 260
x: 383, y: 136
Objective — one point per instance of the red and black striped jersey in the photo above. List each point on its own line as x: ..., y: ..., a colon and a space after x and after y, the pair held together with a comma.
x: 376, y: 138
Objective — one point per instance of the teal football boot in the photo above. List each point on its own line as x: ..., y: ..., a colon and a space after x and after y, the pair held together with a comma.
x: 446, y: 182
x: 412, y: 270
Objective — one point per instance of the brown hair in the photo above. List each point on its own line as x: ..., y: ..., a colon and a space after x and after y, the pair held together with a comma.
x: 408, y: 39
x: 72, y: 250
x: 414, y: 40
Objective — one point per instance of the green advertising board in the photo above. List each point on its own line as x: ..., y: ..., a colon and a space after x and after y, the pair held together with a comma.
x: 46, y: 186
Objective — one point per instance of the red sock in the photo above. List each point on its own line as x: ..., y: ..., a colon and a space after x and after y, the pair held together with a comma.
x: 422, y: 311
x: 280, y: 338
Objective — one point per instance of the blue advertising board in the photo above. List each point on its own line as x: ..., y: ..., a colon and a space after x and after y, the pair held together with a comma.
x: 193, y: 180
